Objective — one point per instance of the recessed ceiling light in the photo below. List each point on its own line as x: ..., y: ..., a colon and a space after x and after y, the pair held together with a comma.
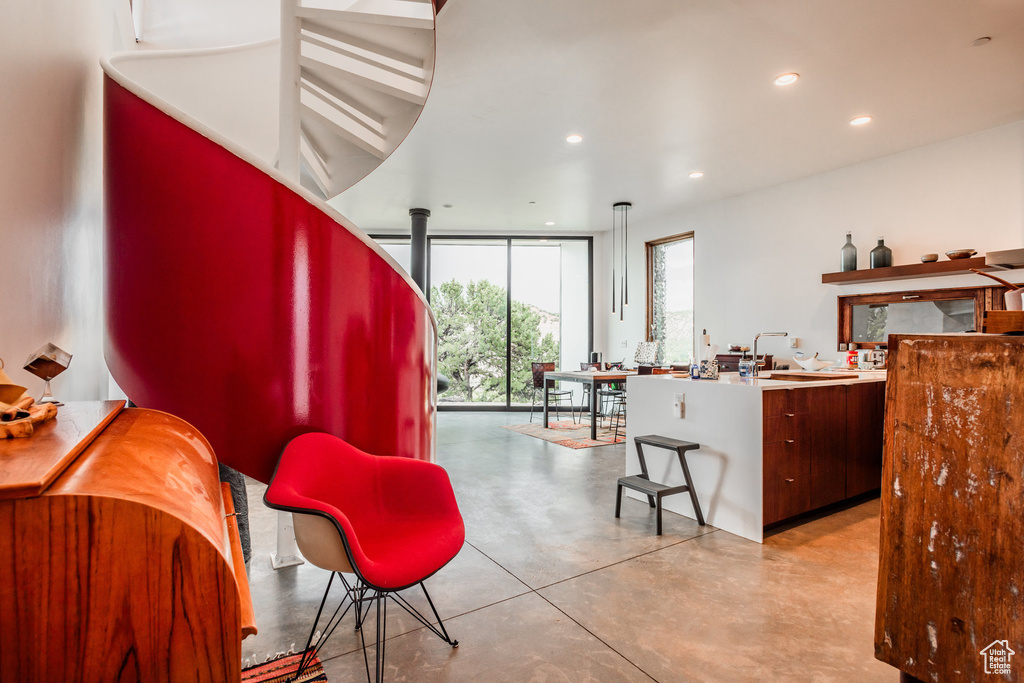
x: 984, y: 40
x: 860, y: 120
x: 550, y: 223
x: 574, y: 138
x: 697, y: 174
x: 786, y: 79
x: 542, y: 240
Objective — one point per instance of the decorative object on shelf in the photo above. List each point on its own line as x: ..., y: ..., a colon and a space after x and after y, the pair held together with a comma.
x: 46, y: 363
x: 881, y: 256
x: 929, y: 258
x: 1012, y: 299
x: 958, y: 254
x: 848, y: 255
x: 620, y: 239
x: 812, y: 364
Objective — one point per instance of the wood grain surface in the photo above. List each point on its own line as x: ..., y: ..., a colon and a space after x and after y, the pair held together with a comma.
x: 1001, y: 322
x: 29, y: 465
x: 951, y: 570
x: 122, y: 570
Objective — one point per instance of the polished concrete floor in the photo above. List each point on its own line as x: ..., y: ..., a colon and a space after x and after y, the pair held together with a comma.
x: 551, y: 587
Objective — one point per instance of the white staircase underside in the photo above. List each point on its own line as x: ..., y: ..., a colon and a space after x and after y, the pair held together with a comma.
x: 363, y: 72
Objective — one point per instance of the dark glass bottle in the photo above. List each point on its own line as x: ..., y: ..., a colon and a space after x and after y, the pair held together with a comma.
x: 881, y: 256
x: 848, y: 255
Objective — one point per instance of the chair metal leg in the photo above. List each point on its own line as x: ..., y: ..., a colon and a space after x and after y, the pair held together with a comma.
x: 348, y: 600
x: 618, y: 499
x: 382, y: 633
x: 438, y: 630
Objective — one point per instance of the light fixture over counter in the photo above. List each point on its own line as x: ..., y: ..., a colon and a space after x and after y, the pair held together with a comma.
x: 620, y: 238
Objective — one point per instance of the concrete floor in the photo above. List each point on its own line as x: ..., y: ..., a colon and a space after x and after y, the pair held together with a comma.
x: 551, y: 587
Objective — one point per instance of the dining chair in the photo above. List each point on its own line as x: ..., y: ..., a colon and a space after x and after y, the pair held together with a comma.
x: 558, y: 395
x: 614, y: 394
x: 391, y: 521
x: 585, y: 403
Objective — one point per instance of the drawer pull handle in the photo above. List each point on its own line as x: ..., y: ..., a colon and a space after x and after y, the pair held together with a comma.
x: 790, y: 440
x: 790, y: 414
x: 791, y: 480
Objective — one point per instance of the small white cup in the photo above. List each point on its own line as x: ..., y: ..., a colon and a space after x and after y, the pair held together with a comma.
x: 1012, y: 299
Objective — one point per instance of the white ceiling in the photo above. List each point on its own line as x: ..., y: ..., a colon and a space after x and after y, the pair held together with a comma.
x: 659, y: 88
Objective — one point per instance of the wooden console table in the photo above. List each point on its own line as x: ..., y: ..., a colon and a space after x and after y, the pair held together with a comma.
x: 120, y: 557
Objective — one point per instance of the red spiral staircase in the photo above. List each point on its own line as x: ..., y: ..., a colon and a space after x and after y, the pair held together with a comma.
x: 236, y: 298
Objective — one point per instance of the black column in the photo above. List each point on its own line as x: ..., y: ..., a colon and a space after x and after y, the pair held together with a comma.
x: 419, y: 246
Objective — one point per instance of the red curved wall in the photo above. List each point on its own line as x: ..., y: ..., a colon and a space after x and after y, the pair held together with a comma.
x: 237, y: 305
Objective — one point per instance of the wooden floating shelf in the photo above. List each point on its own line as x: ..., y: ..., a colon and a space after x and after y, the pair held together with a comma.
x: 913, y: 270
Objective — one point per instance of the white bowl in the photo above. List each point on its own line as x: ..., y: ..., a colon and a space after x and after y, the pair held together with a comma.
x: 812, y: 364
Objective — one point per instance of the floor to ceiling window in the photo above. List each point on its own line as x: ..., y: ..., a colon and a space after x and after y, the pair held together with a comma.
x: 468, y: 292
x: 501, y: 304
x: 670, y: 297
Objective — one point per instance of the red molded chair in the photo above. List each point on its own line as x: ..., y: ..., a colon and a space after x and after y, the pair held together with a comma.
x: 391, y: 521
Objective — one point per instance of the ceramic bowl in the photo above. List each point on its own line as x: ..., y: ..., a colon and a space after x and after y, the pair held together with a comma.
x: 960, y: 253
x: 812, y: 364
x: 929, y: 258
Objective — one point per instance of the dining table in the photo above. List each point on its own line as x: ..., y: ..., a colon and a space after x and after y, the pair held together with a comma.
x: 595, y: 378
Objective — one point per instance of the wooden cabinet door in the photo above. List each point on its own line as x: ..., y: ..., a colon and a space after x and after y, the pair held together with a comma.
x: 827, y: 431
x: 864, y: 410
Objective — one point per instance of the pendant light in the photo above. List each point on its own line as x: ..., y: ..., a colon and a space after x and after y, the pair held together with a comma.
x: 620, y: 240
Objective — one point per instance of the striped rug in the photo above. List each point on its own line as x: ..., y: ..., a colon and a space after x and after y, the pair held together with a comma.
x: 571, y: 435
x: 283, y: 669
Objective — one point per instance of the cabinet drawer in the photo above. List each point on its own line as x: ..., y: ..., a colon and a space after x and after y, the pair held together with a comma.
x: 785, y: 427
x: 789, y: 458
x: 782, y: 401
x: 793, y: 496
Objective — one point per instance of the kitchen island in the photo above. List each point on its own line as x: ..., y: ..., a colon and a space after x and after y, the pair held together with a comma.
x: 770, y: 449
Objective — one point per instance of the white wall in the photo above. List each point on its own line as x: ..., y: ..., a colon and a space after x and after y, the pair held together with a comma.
x: 51, y: 187
x: 759, y: 256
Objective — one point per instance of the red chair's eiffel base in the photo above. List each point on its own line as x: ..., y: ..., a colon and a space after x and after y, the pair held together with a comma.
x: 362, y: 598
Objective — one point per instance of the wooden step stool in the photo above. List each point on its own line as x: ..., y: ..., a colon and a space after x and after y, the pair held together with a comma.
x: 652, y: 489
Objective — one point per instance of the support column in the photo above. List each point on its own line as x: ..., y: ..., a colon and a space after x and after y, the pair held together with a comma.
x: 419, y: 246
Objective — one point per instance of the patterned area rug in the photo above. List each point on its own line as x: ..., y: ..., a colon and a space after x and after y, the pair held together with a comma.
x: 569, y: 434
x: 283, y: 669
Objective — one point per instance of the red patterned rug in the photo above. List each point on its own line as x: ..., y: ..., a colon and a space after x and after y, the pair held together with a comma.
x: 569, y: 434
x: 283, y: 669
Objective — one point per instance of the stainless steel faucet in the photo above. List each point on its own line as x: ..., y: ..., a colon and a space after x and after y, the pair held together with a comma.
x: 759, y: 363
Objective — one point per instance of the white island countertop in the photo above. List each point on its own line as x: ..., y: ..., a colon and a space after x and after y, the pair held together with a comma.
x: 764, y: 381
x: 725, y: 416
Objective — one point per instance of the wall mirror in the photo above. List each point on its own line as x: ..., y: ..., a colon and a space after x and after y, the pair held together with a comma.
x: 868, y: 319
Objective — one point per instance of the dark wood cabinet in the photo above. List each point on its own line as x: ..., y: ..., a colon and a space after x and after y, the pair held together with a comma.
x: 866, y: 405
x: 829, y: 452
x: 822, y: 445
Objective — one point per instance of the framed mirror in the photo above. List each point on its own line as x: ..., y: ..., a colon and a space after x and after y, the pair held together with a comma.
x: 868, y: 319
